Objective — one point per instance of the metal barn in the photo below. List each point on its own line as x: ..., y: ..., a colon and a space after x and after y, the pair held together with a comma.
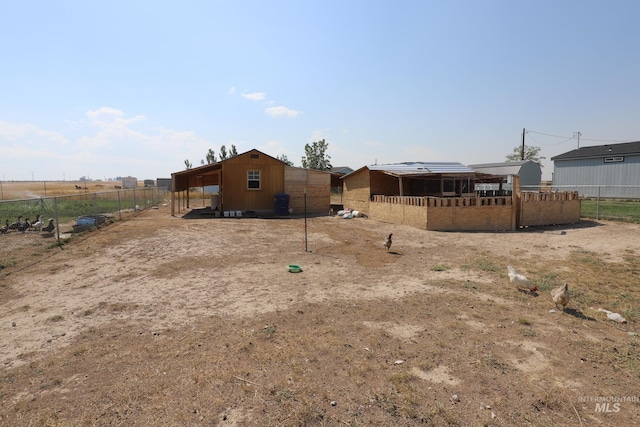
x: 610, y: 170
x: 529, y: 172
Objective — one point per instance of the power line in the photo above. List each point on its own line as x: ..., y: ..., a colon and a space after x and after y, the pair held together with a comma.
x: 554, y: 144
x: 567, y: 138
x: 548, y: 134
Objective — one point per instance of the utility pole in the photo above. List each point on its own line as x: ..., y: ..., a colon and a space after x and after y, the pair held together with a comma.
x: 577, y: 134
x: 522, y: 150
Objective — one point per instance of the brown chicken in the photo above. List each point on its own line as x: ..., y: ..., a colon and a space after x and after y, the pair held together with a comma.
x: 560, y: 295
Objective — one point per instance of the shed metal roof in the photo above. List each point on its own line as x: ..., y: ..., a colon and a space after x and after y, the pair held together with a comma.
x: 423, y: 168
x: 625, y: 148
x: 506, y: 168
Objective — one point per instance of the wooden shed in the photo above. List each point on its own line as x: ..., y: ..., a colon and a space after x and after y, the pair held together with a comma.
x: 250, y: 182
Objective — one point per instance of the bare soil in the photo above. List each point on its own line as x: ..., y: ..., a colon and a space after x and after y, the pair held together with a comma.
x: 161, y: 320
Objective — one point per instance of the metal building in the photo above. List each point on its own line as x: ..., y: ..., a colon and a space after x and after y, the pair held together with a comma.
x: 529, y: 172
x: 164, y: 183
x: 129, y: 182
x: 610, y: 170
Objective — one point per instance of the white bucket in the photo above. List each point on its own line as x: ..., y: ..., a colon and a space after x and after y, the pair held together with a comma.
x: 226, y: 213
x: 238, y: 213
x: 232, y: 213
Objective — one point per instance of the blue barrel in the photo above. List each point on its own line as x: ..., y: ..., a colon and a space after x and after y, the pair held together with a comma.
x: 282, y: 204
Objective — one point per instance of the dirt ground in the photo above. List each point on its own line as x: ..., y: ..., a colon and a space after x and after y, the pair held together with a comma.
x: 161, y: 320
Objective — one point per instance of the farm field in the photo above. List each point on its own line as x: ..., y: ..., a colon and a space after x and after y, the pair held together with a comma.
x: 36, y: 189
x: 161, y: 320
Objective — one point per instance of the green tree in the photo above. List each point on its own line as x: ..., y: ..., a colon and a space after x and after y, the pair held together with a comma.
x: 283, y: 158
x: 223, y: 153
x: 316, y: 156
x: 530, y: 153
x: 187, y: 164
x: 211, y: 156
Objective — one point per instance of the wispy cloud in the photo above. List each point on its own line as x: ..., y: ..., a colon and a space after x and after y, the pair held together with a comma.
x: 281, y: 111
x: 112, y: 129
x: 255, y: 96
x: 232, y: 90
x: 28, y: 135
x: 107, y: 116
x: 276, y: 111
x: 105, y: 143
x: 104, y: 111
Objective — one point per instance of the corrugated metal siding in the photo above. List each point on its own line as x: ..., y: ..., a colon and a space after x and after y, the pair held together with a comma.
x: 595, y: 172
x: 530, y: 176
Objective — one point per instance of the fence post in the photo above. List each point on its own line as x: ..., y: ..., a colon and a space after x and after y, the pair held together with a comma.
x: 598, y: 205
x: 119, y: 207
x: 55, y: 213
x: 95, y: 207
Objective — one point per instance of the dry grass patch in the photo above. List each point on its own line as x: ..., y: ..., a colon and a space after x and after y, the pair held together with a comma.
x: 196, y: 333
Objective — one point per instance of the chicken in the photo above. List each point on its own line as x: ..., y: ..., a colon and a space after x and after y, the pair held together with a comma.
x: 50, y: 227
x: 4, y: 229
x: 387, y: 242
x: 520, y: 281
x: 616, y: 317
x: 560, y: 295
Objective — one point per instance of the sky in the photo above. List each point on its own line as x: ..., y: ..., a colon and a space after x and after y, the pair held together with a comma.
x: 134, y: 88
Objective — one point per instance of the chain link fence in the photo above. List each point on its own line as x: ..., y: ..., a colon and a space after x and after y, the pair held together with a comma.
x: 76, y: 213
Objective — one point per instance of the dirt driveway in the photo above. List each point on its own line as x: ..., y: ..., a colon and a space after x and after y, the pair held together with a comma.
x: 162, y: 320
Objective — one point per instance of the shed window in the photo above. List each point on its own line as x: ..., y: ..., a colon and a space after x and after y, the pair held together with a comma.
x: 253, y: 180
x: 613, y: 159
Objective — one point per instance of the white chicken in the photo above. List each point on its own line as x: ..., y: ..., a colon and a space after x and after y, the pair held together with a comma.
x: 520, y: 281
x: 560, y: 295
x: 387, y: 242
x: 616, y: 317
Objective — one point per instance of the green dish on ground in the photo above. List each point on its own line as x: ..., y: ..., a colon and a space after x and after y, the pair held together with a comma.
x: 293, y: 268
